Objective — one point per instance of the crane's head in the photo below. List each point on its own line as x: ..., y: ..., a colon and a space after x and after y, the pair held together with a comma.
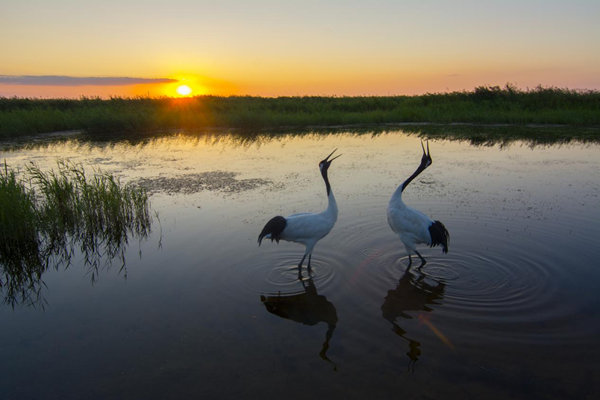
x: 426, y: 160
x: 324, y: 165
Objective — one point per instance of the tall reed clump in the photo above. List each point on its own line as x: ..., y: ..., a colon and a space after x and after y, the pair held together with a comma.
x: 22, y: 260
x: 48, y: 215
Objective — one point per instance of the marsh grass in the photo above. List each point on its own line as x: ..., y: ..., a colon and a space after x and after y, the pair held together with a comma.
x: 46, y: 216
x: 505, y: 135
x: 22, y: 261
x: 483, y: 105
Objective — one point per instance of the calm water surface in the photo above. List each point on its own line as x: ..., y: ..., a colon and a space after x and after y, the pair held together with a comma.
x: 512, y: 311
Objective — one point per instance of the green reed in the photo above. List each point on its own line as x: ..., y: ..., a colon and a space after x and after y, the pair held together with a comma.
x: 45, y: 216
x: 483, y: 105
x: 21, y: 259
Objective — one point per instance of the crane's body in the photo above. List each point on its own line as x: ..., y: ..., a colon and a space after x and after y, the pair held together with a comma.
x: 309, y: 228
x: 412, y: 226
x: 305, y: 228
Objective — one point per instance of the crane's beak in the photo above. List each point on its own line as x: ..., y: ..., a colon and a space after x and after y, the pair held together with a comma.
x: 327, y: 158
x: 423, y: 147
x: 426, y: 160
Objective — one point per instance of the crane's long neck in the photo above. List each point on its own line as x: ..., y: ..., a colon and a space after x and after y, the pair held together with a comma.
x: 397, y: 196
x: 332, y: 207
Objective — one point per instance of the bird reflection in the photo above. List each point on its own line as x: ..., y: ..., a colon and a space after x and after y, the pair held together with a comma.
x: 411, y: 294
x: 308, y: 308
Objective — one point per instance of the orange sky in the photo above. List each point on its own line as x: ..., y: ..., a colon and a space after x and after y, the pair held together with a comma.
x: 273, y: 48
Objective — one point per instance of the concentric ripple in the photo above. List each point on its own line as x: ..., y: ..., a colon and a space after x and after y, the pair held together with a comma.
x: 506, y: 278
x: 278, y: 271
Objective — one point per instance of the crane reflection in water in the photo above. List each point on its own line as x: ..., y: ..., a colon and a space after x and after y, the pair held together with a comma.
x: 308, y: 308
x: 412, y: 294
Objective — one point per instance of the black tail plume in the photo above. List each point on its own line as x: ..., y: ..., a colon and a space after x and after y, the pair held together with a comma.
x: 439, y: 235
x: 274, y: 227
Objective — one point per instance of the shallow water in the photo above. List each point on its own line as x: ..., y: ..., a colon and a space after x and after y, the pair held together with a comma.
x: 511, y: 311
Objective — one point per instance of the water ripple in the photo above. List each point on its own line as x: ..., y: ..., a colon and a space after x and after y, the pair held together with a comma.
x: 277, y: 271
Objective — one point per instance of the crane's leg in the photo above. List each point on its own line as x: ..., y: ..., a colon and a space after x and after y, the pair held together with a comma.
x: 409, y: 251
x: 301, y: 261
x: 423, y: 262
x: 309, y: 247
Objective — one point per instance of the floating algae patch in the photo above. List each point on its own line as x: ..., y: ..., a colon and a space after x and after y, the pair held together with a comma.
x: 222, y: 181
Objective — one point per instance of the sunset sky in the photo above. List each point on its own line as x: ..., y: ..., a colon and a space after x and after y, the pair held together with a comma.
x: 65, y: 48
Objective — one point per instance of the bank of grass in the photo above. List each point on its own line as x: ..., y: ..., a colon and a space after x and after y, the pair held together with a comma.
x: 483, y: 105
x: 503, y: 135
x: 45, y: 216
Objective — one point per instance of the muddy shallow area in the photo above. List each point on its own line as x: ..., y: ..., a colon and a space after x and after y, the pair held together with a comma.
x: 510, y: 312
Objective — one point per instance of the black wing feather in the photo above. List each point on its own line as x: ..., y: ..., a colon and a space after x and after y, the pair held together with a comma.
x: 274, y: 227
x: 439, y: 235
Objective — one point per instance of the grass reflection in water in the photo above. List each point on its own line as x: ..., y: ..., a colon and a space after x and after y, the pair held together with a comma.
x: 46, y: 217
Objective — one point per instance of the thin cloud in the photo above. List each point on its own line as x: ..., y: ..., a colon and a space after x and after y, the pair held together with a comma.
x: 58, y: 80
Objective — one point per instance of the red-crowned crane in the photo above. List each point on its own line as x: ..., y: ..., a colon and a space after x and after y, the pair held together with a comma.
x: 412, y: 226
x: 305, y: 228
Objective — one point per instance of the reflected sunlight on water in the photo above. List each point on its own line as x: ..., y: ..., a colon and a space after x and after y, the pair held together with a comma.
x: 510, y: 311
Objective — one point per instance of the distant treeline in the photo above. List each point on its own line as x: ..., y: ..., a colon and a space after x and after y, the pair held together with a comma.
x: 483, y: 105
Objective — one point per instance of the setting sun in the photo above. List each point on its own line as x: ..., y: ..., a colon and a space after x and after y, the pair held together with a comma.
x: 184, y: 90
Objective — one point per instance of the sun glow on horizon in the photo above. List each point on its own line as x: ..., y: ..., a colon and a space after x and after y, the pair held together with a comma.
x: 184, y: 90
x: 187, y: 85
x: 253, y: 48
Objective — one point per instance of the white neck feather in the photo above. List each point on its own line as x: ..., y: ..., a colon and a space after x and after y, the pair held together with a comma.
x: 332, y: 207
x: 396, y: 200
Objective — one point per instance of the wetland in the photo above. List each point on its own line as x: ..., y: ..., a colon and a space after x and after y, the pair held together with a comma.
x: 201, y: 311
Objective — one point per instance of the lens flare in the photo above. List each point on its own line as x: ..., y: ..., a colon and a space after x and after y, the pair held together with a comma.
x: 425, y: 319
